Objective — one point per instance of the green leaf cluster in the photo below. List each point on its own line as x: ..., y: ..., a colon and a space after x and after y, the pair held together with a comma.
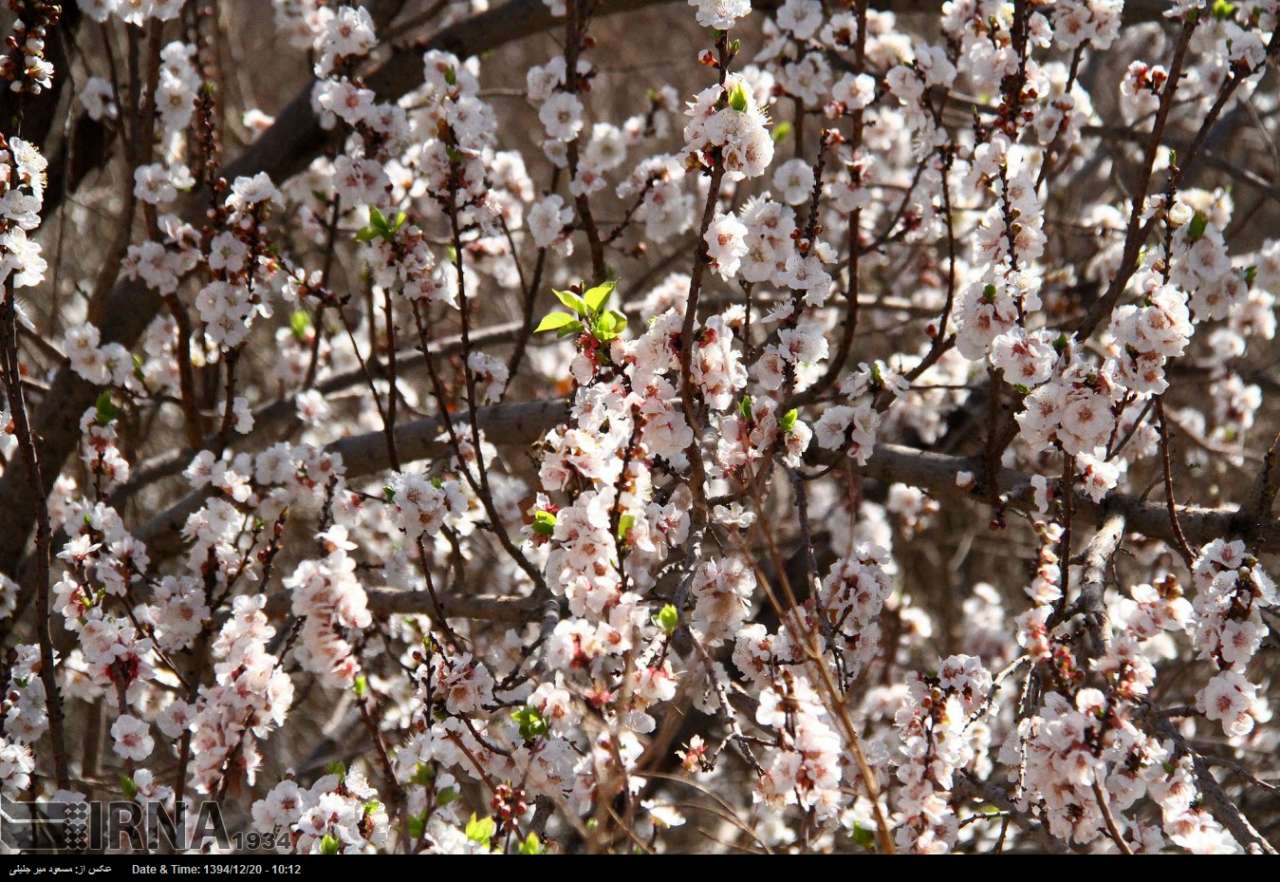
x: 106, y: 409
x: 531, y: 722
x: 481, y: 830
x: 668, y: 618
x: 588, y: 314
x: 544, y: 523
x: 380, y: 227
x: 533, y: 845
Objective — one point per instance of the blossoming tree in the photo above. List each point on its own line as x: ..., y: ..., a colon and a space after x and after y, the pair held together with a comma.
x: 642, y: 426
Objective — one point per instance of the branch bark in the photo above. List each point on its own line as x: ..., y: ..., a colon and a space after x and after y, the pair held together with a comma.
x: 520, y: 424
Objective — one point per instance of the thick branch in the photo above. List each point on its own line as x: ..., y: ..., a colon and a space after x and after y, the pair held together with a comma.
x: 518, y: 425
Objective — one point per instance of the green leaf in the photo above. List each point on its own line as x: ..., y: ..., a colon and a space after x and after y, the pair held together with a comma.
x: 128, y: 786
x: 780, y: 132
x: 738, y: 97
x: 481, y: 830
x: 668, y: 619
x: 372, y: 806
x: 988, y: 810
x: 544, y: 523
x: 597, y: 297
x: 379, y: 227
x: 337, y: 767
x: 417, y: 825
x: 608, y: 326
x: 744, y: 408
x: 329, y: 844
x: 107, y: 411
x: 571, y: 300
x: 1196, y: 228
x: 625, y: 523
x: 451, y: 76
x: 788, y: 421
x: 532, y: 845
x: 1223, y: 10
x: 532, y: 725
x: 300, y: 323
x: 423, y: 773
x: 446, y: 796
x: 863, y: 836
x: 556, y: 321
x: 361, y: 686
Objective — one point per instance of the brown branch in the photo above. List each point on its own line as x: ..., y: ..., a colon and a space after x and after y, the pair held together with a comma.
x: 16, y: 400
x: 1136, y: 231
x: 520, y: 424
x: 1112, y: 830
x: 1223, y: 809
x: 1179, y: 537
